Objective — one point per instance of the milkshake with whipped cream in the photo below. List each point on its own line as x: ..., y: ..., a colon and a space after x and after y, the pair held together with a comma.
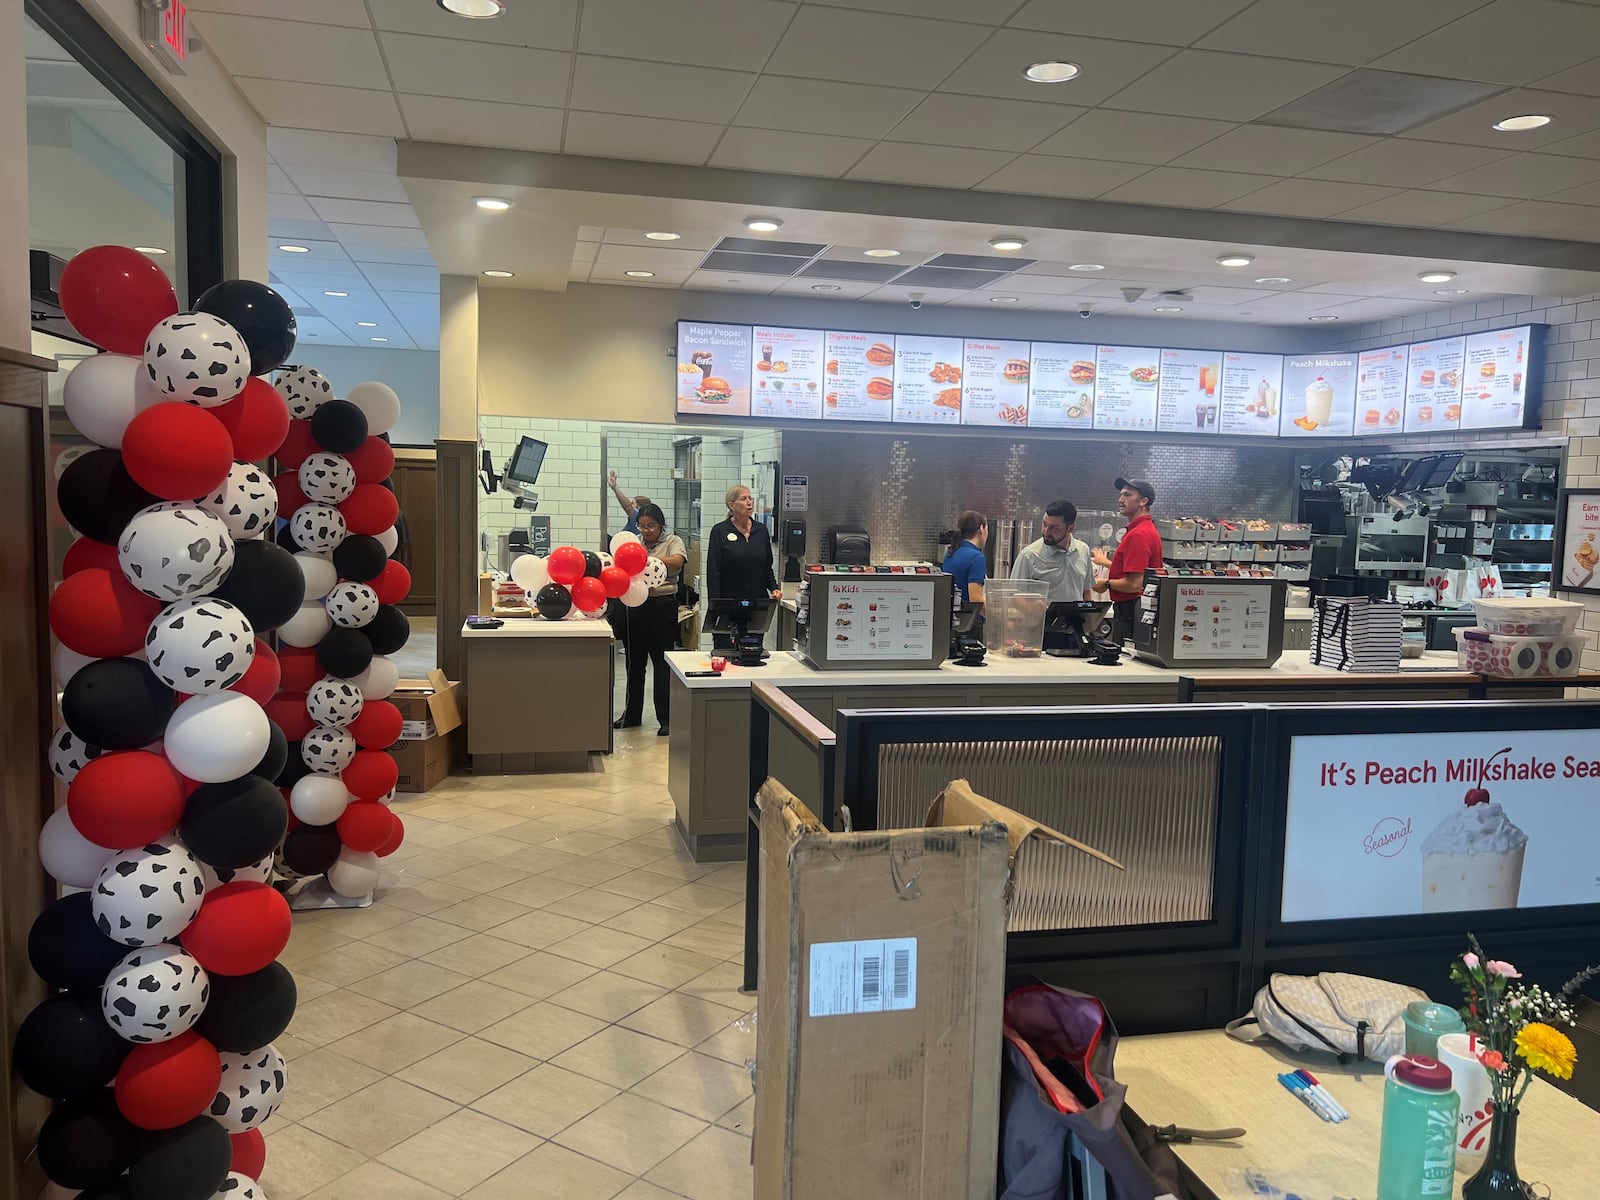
x: 1473, y: 859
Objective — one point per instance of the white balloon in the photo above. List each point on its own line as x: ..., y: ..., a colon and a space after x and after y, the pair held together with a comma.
x: 320, y: 574
x: 318, y: 799
x: 380, y: 678
x: 606, y: 560
x: 68, y: 663
x: 69, y: 456
x: 175, y: 549
x: 256, y: 872
x: 212, y: 739
x: 252, y: 1087
x: 150, y: 894
x: 355, y: 874
x: 67, y: 856
x: 307, y: 627
x: 327, y: 478
x: 654, y: 573
x: 102, y: 394
x: 530, y: 572
x: 247, y: 501
x: 197, y: 357
x: 638, y: 591
x: 389, y: 539
x: 200, y: 646
x: 622, y: 537
x: 380, y: 404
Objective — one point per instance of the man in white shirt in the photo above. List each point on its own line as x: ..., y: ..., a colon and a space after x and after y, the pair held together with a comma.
x: 1058, y: 559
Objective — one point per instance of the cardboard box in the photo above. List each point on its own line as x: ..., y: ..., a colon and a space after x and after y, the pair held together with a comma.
x: 430, y: 740
x: 878, y: 1032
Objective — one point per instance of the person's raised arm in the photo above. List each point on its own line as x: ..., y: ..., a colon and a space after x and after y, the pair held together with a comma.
x: 622, y: 497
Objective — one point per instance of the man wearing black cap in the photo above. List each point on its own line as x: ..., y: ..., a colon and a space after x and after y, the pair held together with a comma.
x: 1138, y: 552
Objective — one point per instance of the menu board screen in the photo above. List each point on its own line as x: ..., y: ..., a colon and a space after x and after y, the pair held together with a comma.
x: 1433, y: 385
x: 1494, y: 384
x: 713, y: 369
x: 1125, y: 388
x: 858, y: 376
x: 1061, y: 391
x: 786, y: 373
x: 1319, y: 395
x: 927, y: 380
x: 994, y: 384
x: 1380, y: 390
x: 1251, y: 387
x: 1186, y: 395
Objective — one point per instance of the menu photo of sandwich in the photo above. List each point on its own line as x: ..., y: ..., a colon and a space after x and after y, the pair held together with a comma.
x: 1016, y: 370
x: 1081, y: 372
x: 880, y: 354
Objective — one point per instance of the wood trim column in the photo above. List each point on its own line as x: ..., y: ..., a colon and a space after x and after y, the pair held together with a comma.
x: 458, y: 549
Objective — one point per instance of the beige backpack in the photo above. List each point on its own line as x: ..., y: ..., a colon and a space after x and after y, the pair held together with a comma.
x: 1353, y: 1016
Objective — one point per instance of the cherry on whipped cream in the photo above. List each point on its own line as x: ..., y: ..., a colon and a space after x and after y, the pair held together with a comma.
x: 1477, y: 795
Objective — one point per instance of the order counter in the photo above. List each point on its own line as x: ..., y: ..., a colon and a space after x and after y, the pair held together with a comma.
x: 545, y: 695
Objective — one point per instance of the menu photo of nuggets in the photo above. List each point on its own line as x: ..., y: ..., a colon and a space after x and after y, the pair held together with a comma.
x: 858, y: 377
x: 713, y: 369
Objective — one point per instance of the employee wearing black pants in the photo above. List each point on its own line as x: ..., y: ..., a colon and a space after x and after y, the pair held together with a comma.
x: 652, y: 627
x: 739, y: 557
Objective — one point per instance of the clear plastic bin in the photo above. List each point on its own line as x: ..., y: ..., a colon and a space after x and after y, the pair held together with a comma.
x: 1013, y: 616
x: 1527, y: 616
x: 1509, y: 657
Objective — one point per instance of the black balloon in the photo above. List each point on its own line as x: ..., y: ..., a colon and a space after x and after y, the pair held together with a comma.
x: 64, y: 1048
x: 67, y: 949
x: 117, y: 1189
x: 262, y: 317
x: 339, y: 426
x: 285, y: 538
x: 98, y: 496
x: 311, y: 849
x: 591, y: 564
x: 388, y: 631
x: 277, y: 755
x: 187, y: 1163
x: 117, y: 704
x: 553, y: 601
x: 88, y: 1143
x: 245, y: 1012
x: 236, y: 823
x: 294, y: 769
x: 360, y: 558
x: 266, y: 584
x: 345, y: 652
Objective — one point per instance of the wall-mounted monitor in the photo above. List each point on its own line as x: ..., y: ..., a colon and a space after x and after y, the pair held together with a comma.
x: 527, y: 460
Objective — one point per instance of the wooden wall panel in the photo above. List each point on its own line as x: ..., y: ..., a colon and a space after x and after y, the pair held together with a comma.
x: 457, y: 491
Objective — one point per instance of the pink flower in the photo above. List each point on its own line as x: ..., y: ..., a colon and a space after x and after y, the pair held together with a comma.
x: 1493, y: 1059
x: 1470, y: 961
x: 1495, y: 967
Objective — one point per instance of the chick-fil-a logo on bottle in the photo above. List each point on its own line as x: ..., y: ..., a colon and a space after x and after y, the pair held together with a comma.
x: 1388, y: 837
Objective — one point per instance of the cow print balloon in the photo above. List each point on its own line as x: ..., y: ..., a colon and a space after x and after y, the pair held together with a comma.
x: 328, y: 750
x: 246, y: 502
x: 318, y: 528
x: 197, y: 357
x: 306, y: 389
x: 175, y: 550
x: 70, y: 754
x: 352, y: 605
x: 239, y: 1187
x: 148, y: 895
x: 200, y: 647
x: 327, y: 478
x: 155, y: 994
x: 335, y: 702
x: 251, y: 1090
x: 256, y: 872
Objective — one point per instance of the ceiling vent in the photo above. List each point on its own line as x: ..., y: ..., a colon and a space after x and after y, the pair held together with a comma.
x: 1130, y: 295
x: 1379, y: 103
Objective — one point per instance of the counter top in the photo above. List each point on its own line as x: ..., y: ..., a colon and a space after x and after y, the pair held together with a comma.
x: 538, y: 627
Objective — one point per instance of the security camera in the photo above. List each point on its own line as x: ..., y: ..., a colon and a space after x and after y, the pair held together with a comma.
x: 916, y: 303
x: 1086, y: 313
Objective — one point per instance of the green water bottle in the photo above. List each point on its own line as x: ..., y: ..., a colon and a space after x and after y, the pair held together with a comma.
x: 1417, y: 1153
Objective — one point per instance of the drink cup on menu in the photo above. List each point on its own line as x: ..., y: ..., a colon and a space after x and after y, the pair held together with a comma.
x: 1473, y: 859
x: 1319, y: 401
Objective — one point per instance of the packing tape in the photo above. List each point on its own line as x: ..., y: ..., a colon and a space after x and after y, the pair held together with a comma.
x: 1524, y: 658
x: 1562, y: 659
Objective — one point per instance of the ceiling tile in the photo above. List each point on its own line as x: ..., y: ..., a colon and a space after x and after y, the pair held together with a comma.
x: 833, y: 43
x: 1046, y: 175
x: 788, y: 153
x: 579, y: 273
x: 314, y: 106
x: 891, y: 293
x: 607, y: 135
x: 401, y: 279
x: 982, y: 121
x: 616, y: 273
x: 1226, y: 87
x: 365, y: 212
x: 1269, y: 147
x: 745, y: 31
x: 322, y: 12
x: 1229, y: 295
x: 1400, y: 162
x: 403, y: 256
x: 1474, y: 126
x: 591, y: 233
x: 1112, y: 136
x: 1352, y: 32
x: 929, y: 166
x: 996, y: 69
x: 351, y: 185
x: 482, y: 123
x: 1182, y: 187
x: 818, y: 106
x: 1423, y: 208
x: 648, y: 89
x: 1172, y: 22
x: 283, y: 206
x: 717, y: 281
x: 279, y: 182
x: 1037, y: 285
x: 1308, y: 198
x: 807, y: 287
x: 1508, y: 41
x: 1586, y: 145
x: 648, y: 258
x: 584, y: 252
x: 348, y: 151
x: 1588, y: 194
x: 1526, y: 176
x: 1533, y: 218
x: 948, y: 10
x: 550, y: 24
x: 430, y: 66
x: 297, y: 230
x: 1583, y: 79
x: 296, y: 51
x: 380, y: 235
x: 688, y: 239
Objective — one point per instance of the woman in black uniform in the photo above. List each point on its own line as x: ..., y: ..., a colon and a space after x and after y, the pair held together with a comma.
x: 653, y: 626
x: 739, y: 557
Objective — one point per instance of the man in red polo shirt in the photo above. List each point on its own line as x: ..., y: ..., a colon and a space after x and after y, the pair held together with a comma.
x: 1138, y: 552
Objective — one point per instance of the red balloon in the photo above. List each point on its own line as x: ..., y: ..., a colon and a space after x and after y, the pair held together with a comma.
x: 294, y: 821
x: 288, y: 711
x: 86, y: 552
x: 615, y: 581
x: 115, y: 296
x: 257, y: 420
x: 632, y: 557
x: 370, y: 509
x: 161, y: 1086
x: 373, y: 460
x: 177, y: 451
x: 262, y: 677
x: 99, y: 613
x: 290, y: 494
x: 589, y: 594
x: 397, y: 835
x: 371, y: 774
x: 241, y: 928
x: 298, y: 445
x: 378, y: 727
x: 393, y: 583
x: 299, y: 668
x: 126, y: 799
x: 365, y: 826
x: 249, y: 1153
x: 566, y: 565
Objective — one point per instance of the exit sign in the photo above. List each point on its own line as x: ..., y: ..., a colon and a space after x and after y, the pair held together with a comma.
x: 165, y: 28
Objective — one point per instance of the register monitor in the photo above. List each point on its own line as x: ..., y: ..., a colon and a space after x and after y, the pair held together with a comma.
x: 745, y: 621
x: 1070, y: 627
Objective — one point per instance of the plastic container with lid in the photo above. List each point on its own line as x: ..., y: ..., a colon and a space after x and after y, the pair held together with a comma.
x: 1508, y: 657
x: 1013, y: 616
x: 1417, y: 1149
x: 1527, y: 616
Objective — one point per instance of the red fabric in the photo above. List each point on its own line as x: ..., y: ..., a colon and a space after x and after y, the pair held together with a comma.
x: 1139, y: 550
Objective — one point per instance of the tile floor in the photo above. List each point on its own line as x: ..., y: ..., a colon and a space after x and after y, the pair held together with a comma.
x: 543, y: 1001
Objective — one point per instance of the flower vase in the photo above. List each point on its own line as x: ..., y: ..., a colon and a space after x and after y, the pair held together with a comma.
x: 1497, y: 1179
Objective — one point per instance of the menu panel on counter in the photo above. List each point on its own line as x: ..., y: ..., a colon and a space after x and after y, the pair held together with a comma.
x: 927, y: 380
x: 1380, y: 390
x: 1433, y: 385
x: 1251, y: 387
x: 1061, y: 392
x: 713, y: 369
x: 1319, y: 396
x: 786, y: 373
x: 877, y: 619
x: 994, y: 384
x: 1494, y: 394
x: 1216, y: 620
x: 858, y: 377
x: 1186, y: 394
x: 1125, y: 388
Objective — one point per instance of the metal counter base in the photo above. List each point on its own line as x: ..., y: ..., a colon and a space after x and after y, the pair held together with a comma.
x: 544, y: 696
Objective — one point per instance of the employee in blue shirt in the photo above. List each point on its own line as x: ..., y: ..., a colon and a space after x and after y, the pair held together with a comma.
x: 965, y: 560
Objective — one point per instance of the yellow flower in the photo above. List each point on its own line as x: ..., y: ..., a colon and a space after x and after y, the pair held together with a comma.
x: 1546, y: 1049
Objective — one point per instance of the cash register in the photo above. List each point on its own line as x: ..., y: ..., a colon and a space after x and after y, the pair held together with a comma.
x: 1072, y: 627
x: 745, y: 621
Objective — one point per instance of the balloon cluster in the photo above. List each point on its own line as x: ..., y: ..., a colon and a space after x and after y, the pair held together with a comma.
x: 158, y: 1043
x: 575, y: 583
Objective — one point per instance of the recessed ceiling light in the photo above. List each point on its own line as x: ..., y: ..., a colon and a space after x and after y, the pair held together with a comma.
x: 1086, y: 267
x: 640, y: 274
x: 1323, y: 318
x: 491, y: 203
x: 1052, y: 72
x: 498, y: 274
x: 881, y: 253
x: 377, y: 339
x: 1450, y: 291
x: 149, y: 249
x: 1235, y: 258
x: 295, y: 249
x: 336, y: 295
x: 1166, y: 310
x: 1436, y: 276
x: 1008, y: 241
x: 662, y: 235
x: 763, y: 224
x: 367, y: 324
x: 1518, y: 124
x: 477, y: 10
x: 1274, y: 279
x: 1002, y: 299
x: 821, y: 287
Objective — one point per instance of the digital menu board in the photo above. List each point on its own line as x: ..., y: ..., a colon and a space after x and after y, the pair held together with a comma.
x: 1061, y: 391
x: 713, y: 369
x: 1380, y: 391
x: 994, y: 384
x: 859, y: 377
x: 1186, y: 393
x: 1319, y: 396
x: 786, y: 373
x: 1252, y: 385
x: 927, y: 380
x: 1125, y: 388
x: 1433, y: 385
x: 1494, y: 379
